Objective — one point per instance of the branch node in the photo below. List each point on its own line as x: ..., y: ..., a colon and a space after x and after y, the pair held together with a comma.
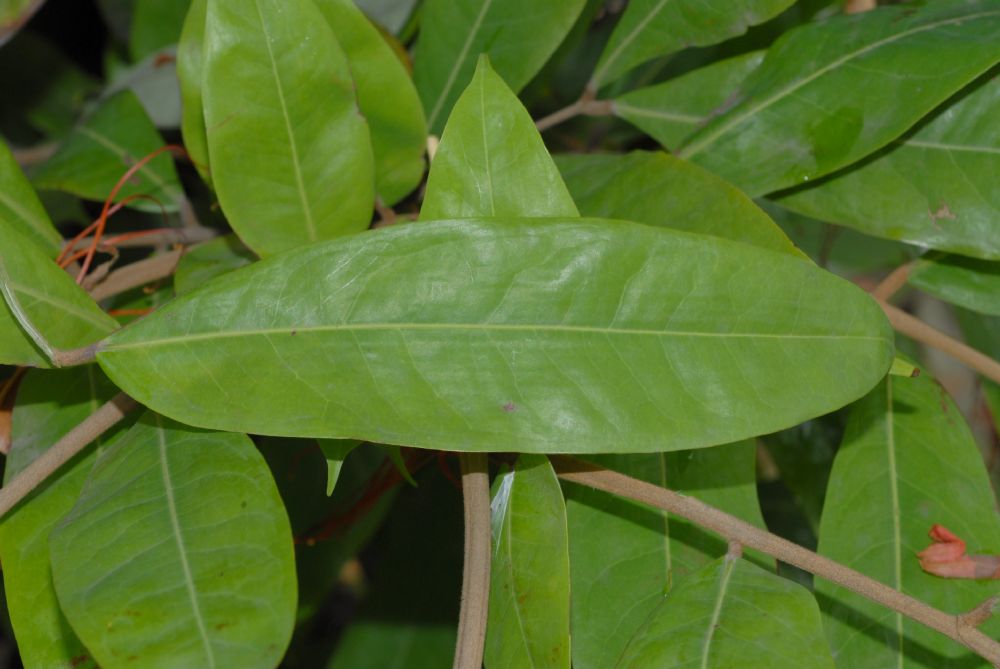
x: 980, y: 614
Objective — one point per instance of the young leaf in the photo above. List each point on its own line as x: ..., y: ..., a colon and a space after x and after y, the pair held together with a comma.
x: 54, y: 305
x: 732, y: 613
x: 189, y: 74
x: 189, y: 525
x: 209, y: 260
x: 529, y: 575
x: 335, y: 451
x: 617, y: 583
x: 935, y: 187
x: 671, y: 111
x: 652, y: 28
x: 549, y: 335
x: 492, y: 161
x: 290, y: 154
x: 49, y: 404
x: 967, y: 282
x: 387, y: 98
x: 828, y: 93
x: 658, y: 189
x: 453, y: 33
x: 907, y: 461
x: 92, y: 159
x: 20, y: 207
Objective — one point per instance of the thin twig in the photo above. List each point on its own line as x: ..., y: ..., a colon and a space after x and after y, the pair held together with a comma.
x: 858, y: 6
x: 138, y: 274
x: 585, y: 105
x: 916, y: 329
x: 893, y: 283
x: 476, y: 569
x: 33, y: 155
x: 63, y: 450
x: 735, y: 530
x: 189, y: 235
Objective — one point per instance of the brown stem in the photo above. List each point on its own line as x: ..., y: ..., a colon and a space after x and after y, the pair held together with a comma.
x: 138, y: 274
x: 33, y: 155
x: 63, y: 450
x: 916, y: 329
x: 858, y: 6
x: 189, y: 235
x: 735, y: 530
x: 476, y: 570
x: 585, y: 105
x: 893, y: 283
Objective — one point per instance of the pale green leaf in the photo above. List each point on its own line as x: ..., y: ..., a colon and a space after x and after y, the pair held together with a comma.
x: 967, y: 282
x: 831, y: 92
x: 14, y: 14
x: 653, y: 28
x: 189, y: 75
x: 335, y: 451
x: 529, y: 573
x: 290, y: 155
x: 154, y: 82
x: 55, y: 306
x: 178, y: 553
x: 670, y: 111
x: 618, y: 582
x: 387, y: 98
x: 658, y: 189
x: 209, y: 260
x: 907, y: 461
x: 492, y: 161
x: 935, y: 187
x: 49, y: 404
x: 103, y: 147
x: 20, y: 207
x: 549, y: 335
x: 517, y: 35
x: 732, y: 613
x: 155, y: 24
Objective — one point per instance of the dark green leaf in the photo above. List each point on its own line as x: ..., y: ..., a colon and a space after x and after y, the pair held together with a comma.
x: 102, y: 148
x: 477, y: 335
x: 155, y: 24
x: 830, y: 93
x: 967, y: 282
x: 189, y: 73
x: 658, y: 189
x: 20, y: 208
x: 209, y: 260
x: 652, y: 28
x: 387, y: 99
x: 178, y: 553
x: 377, y: 644
x: 907, y: 462
x: 732, y: 613
x: 518, y: 35
x: 492, y: 161
x: 285, y: 174
x: 529, y: 575
x: 624, y: 556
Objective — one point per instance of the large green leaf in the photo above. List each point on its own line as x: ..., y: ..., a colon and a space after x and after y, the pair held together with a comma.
x: 14, y: 14
x: 155, y: 24
x: 55, y: 306
x: 670, y: 111
x: 907, y: 461
x: 101, y: 149
x: 518, y: 35
x: 936, y: 187
x: 652, y: 28
x: 732, y: 613
x: 20, y: 207
x: 967, y: 282
x: 492, y: 161
x: 618, y: 582
x: 830, y: 93
x: 571, y: 335
x: 209, y: 260
x: 529, y: 575
x: 189, y: 74
x: 658, y: 189
x: 387, y: 98
x: 178, y: 553
x: 49, y: 404
x: 290, y: 154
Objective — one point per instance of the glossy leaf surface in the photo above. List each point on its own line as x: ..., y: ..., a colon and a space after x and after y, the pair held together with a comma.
x: 54, y: 304
x: 285, y: 174
x: 732, y: 613
x: 652, y: 28
x: 49, y: 404
x: 618, y: 582
x: 907, y: 462
x: 209, y: 260
x: 529, y: 574
x: 967, y: 282
x: 492, y: 161
x: 829, y: 93
x: 453, y: 33
x: 189, y: 74
x: 935, y: 187
x: 479, y: 335
x: 387, y: 98
x: 671, y: 111
x: 178, y: 553
x: 658, y: 189
x: 102, y: 148
x: 20, y: 207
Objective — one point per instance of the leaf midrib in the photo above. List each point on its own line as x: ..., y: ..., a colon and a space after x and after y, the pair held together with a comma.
x: 596, y: 80
x: 82, y: 314
x: 897, y: 542
x: 462, y: 55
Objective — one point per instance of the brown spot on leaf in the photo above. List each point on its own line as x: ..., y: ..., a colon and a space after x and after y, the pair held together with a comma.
x: 78, y: 661
x: 294, y: 332
x: 509, y: 407
x: 942, y: 212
